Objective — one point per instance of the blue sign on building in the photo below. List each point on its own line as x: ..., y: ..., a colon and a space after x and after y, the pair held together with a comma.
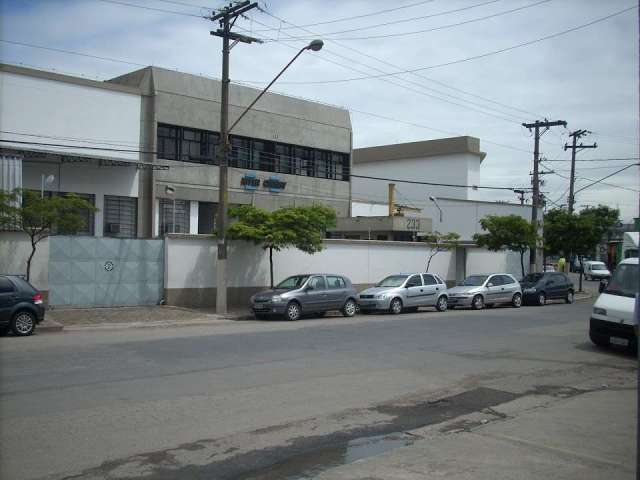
x: 274, y: 184
x: 250, y: 181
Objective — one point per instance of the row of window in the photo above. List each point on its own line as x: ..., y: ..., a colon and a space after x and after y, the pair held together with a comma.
x: 199, y: 146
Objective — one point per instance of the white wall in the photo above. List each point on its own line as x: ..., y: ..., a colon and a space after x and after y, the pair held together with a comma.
x: 459, y: 169
x: 15, y: 248
x: 191, y: 262
x: 74, y: 114
x: 481, y: 261
x: 83, y: 178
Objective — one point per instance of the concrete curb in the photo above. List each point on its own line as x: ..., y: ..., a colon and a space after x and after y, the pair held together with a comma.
x: 49, y: 326
x: 153, y: 324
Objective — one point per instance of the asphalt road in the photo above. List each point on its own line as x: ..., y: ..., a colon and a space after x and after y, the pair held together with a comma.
x: 232, y: 401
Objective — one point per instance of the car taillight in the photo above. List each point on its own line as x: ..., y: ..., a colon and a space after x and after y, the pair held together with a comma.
x: 37, y: 299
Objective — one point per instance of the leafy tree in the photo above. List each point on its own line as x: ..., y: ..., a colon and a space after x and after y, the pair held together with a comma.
x: 509, y: 231
x: 39, y: 218
x: 566, y: 232
x: 602, y: 218
x: 440, y: 242
x: 299, y: 227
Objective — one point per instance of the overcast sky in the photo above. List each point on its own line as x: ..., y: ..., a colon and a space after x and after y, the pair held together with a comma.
x: 588, y: 77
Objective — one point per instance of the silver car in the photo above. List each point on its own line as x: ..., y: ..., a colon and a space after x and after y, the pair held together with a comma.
x: 299, y: 295
x: 405, y: 291
x: 476, y: 291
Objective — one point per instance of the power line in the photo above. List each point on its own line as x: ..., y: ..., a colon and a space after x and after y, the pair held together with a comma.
x: 153, y: 9
x: 433, y: 29
x: 354, y: 17
x: 615, y: 159
x: 610, y: 175
x: 467, y: 59
x: 435, y: 184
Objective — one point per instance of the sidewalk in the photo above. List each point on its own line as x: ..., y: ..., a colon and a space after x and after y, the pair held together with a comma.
x: 76, y: 319
x: 583, y: 436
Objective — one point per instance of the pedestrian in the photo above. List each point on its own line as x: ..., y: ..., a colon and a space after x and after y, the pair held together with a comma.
x: 561, y: 264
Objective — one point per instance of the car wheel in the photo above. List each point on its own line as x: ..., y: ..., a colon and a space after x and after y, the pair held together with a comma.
x: 477, y: 303
x: 542, y: 299
x: 293, y: 312
x: 441, y: 304
x: 516, y: 301
x: 396, y: 306
x: 350, y: 308
x: 569, y: 297
x: 23, y: 323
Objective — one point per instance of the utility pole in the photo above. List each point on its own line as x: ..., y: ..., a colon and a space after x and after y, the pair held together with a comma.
x: 575, y: 148
x: 520, y: 194
x: 226, y: 17
x: 546, y: 124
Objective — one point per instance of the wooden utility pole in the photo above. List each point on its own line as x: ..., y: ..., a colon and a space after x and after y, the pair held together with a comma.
x: 575, y: 148
x: 226, y: 17
x: 546, y: 124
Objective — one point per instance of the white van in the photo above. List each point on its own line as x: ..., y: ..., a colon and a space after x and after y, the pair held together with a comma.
x: 595, y: 270
x: 612, y: 320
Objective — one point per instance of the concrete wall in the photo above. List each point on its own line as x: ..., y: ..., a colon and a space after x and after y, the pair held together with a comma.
x: 80, y: 113
x: 15, y: 249
x: 190, y: 276
x: 479, y: 261
x: 459, y: 168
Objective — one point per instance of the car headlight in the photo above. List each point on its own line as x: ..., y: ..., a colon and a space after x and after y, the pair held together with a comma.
x: 276, y: 299
x: 530, y: 290
x: 599, y: 311
x: 381, y: 296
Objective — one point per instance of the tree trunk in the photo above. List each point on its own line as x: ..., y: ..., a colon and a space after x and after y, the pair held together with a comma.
x: 271, y: 264
x: 429, y: 262
x: 33, y: 252
x: 522, y: 261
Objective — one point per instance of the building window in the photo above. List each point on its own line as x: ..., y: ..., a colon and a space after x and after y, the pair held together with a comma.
x: 120, y: 217
x: 283, y: 158
x: 167, y: 217
x: 241, y: 153
x: 206, y: 217
x: 263, y: 155
x: 303, y: 161
x: 168, y: 142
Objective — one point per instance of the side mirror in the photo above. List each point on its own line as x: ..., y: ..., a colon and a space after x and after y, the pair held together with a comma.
x: 604, y: 283
x: 489, y: 284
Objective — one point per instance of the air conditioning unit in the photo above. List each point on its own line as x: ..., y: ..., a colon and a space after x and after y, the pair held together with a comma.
x: 113, y: 227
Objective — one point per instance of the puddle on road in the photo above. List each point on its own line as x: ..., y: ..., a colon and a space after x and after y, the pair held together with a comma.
x: 308, y: 465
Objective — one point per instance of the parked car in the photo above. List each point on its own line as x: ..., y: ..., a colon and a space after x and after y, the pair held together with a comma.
x: 298, y: 295
x: 405, y: 291
x: 21, y: 306
x: 611, y: 321
x: 594, y: 270
x: 537, y: 288
x: 476, y: 291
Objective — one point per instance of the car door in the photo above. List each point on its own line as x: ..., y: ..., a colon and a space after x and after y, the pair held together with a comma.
x: 494, y: 292
x: 336, y: 291
x: 8, y: 298
x: 509, y: 286
x: 559, y: 284
x: 415, y: 290
x: 430, y: 288
x: 315, y: 298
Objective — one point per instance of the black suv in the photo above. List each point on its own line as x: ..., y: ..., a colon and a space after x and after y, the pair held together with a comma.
x: 537, y: 288
x: 21, y: 306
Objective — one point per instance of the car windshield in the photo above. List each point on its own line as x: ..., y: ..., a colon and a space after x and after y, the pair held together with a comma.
x: 474, y: 280
x: 624, y: 282
x: 292, y: 283
x: 392, y: 281
x: 598, y: 266
x: 532, y: 278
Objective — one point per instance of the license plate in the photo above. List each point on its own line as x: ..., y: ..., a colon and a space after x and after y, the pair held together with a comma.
x: 618, y: 341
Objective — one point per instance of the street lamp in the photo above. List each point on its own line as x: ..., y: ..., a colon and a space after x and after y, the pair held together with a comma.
x: 433, y: 199
x: 223, y: 189
x: 45, y: 181
x: 171, y: 192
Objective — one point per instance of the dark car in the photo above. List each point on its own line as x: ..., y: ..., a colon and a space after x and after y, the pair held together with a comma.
x: 537, y: 288
x: 304, y: 294
x: 21, y: 306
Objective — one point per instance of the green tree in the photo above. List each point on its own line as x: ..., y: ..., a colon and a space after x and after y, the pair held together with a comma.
x: 602, y: 217
x: 578, y: 234
x: 299, y: 227
x: 509, y: 231
x: 25, y: 210
x: 440, y: 242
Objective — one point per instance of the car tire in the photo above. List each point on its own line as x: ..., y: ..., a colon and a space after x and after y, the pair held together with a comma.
x: 542, y: 299
x: 477, y: 303
x: 441, y: 304
x: 293, y: 312
x: 350, y: 308
x: 569, y: 298
x: 23, y: 323
x: 516, y: 301
x: 395, y: 306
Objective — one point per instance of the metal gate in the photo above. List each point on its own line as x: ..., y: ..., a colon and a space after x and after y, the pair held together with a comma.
x: 97, y: 271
